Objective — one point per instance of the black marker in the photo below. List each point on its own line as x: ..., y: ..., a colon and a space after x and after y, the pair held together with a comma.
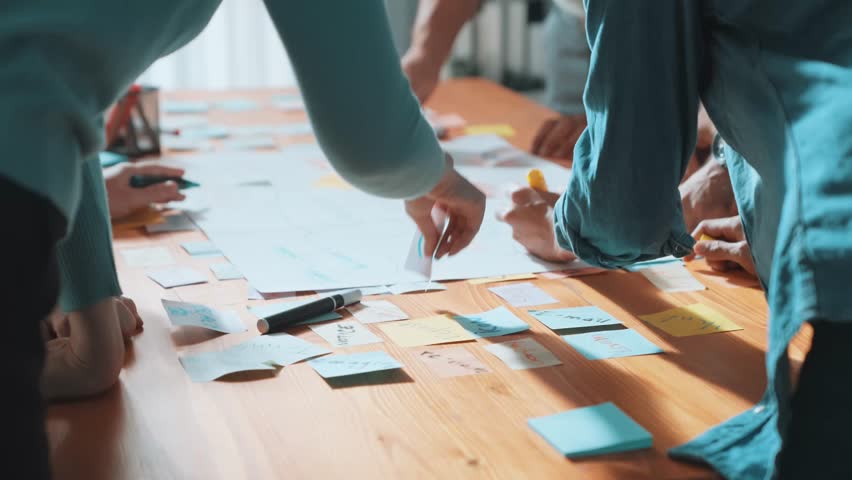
x: 280, y: 321
x: 142, y: 181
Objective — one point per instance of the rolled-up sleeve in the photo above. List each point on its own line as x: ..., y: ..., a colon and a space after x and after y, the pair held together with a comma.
x: 622, y: 203
x: 367, y: 120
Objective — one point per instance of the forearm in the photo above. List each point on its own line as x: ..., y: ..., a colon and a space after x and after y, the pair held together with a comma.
x: 437, y: 24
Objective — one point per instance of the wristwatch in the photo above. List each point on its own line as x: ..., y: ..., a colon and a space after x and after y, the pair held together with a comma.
x: 718, y: 149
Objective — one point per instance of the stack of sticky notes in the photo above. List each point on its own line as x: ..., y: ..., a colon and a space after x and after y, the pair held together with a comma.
x: 595, y: 430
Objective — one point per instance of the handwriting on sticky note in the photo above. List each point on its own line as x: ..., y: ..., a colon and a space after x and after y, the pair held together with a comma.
x: 695, y: 319
x: 523, y: 295
x: 493, y: 323
x: 376, y: 311
x: 354, y: 364
x: 195, y: 315
x: 347, y: 333
x: 452, y: 362
x: 523, y: 354
x: 575, y: 317
x: 280, y: 349
x: 611, y: 344
x: 425, y: 331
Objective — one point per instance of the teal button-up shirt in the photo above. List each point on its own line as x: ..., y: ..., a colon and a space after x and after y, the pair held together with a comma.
x: 776, y: 78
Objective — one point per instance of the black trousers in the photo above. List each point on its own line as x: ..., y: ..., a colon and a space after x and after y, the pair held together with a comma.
x: 28, y: 292
x: 819, y: 440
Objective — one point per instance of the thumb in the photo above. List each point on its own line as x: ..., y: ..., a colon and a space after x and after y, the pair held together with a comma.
x: 718, y: 250
x: 161, y: 193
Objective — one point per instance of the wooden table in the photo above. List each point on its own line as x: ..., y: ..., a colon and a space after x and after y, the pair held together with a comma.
x: 157, y: 424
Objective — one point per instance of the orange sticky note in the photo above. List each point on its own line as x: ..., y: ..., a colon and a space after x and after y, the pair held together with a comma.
x: 425, y: 331
x: 695, y: 319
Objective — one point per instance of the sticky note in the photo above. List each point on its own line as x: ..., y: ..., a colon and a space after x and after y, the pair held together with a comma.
x: 173, y: 223
x: 426, y: 331
x: 226, y: 271
x: 695, y: 319
x: 419, y: 260
x: 263, y: 311
x: 354, y: 364
x: 502, y: 278
x: 195, y: 315
x: 376, y: 290
x: 523, y: 295
x: 205, y: 132
x: 203, y: 248
x: 252, y: 143
x: 493, y: 323
x: 672, y: 278
x: 347, y: 333
x: 237, y: 105
x: 496, y: 129
x: 253, y: 294
x: 140, y: 218
x: 611, y: 344
x: 291, y: 104
x: 451, y: 362
x: 376, y: 311
x: 208, y: 366
x: 174, y: 106
x: 448, y: 120
x: 279, y: 348
x: 294, y: 129
x: 176, y: 277
x: 418, y: 287
x: 332, y: 180
x: 523, y: 354
x: 147, y: 257
x: 595, y: 430
x: 574, y: 317
x: 669, y: 260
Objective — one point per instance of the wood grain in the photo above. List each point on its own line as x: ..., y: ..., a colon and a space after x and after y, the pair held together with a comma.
x: 157, y: 424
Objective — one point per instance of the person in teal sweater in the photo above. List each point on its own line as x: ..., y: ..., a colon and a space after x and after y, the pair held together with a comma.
x: 65, y: 63
x: 776, y: 79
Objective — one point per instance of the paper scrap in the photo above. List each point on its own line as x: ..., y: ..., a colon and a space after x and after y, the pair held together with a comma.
x: 452, y: 362
x: 496, y: 129
x: 493, y: 323
x: 263, y: 311
x: 176, y: 277
x: 611, y: 344
x: 575, y: 317
x: 523, y: 295
x: 226, y: 271
x: 672, y: 278
x: 419, y: 260
x: 502, y: 278
x: 208, y: 366
x: 605, y: 429
x: 173, y: 223
x: 425, y: 331
x: 418, y: 287
x: 376, y: 311
x: 695, y: 319
x: 203, y: 248
x: 176, y: 107
x: 523, y: 354
x: 354, y: 364
x: 347, y: 333
x: 147, y: 257
x: 195, y: 315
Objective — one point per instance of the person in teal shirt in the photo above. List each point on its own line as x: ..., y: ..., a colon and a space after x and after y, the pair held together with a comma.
x: 64, y: 63
x: 776, y: 78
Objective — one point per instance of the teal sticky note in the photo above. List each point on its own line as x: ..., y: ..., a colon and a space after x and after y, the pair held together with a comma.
x: 595, y: 430
x: 576, y: 317
x: 201, y: 249
x: 611, y: 344
x: 263, y: 311
x: 109, y: 159
x: 354, y: 364
x: 492, y: 323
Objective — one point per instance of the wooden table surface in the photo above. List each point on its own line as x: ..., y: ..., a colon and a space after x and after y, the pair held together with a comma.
x: 157, y: 424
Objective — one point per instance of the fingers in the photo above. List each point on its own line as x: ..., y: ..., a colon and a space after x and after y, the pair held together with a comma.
x: 159, y: 193
x: 560, y: 140
x: 729, y: 229
x: 420, y: 211
x: 542, y: 134
x: 525, y: 195
x: 720, y: 254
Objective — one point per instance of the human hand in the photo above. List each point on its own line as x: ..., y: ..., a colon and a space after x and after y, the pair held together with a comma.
x: 423, y: 73
x: 89, y: 360
x: 464, y: 205
x: 729, y: 249
x: 124, y: 199
x: 707, y: 194
x: 531, y: 219
x: 556, y: 137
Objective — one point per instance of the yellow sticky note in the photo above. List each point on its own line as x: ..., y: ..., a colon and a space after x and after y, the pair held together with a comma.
x: 425, y: 331
x: 502, y: 278
x: 705, y: 237
x: 332, y: 181
x: 536, y: 180
x: 695, y: 319
x: 496, y: 128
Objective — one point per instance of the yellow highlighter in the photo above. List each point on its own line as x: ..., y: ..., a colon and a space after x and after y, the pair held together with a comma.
x: 536, y: 180
x: 706, y: 238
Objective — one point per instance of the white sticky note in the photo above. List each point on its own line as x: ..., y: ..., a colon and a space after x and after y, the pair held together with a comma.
x: 523, y: 354
x: 347, y: 333
x: 176, y: 277
x: 377, y: 290
x: 195, y: 315
x: 673, y: 277
x: 376, y: 311
x: 418, y: 287
x: 147, y: 257
x: 204, y: 248
x: 173, y: 223
x: 208, y: 366
x: 226, y: 271
x: 419, y: 260
x: 280, y: 349
x: 523, y: 295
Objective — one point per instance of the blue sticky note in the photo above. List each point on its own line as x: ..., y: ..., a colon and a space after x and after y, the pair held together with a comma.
x: 611, y: 344
x: 201, y: 249
x: 354, y: 364
x: 576, y: 317
x: 493, y: 323
x: 652, y: 263
x: 263, y: 311
x: 595, y: 430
